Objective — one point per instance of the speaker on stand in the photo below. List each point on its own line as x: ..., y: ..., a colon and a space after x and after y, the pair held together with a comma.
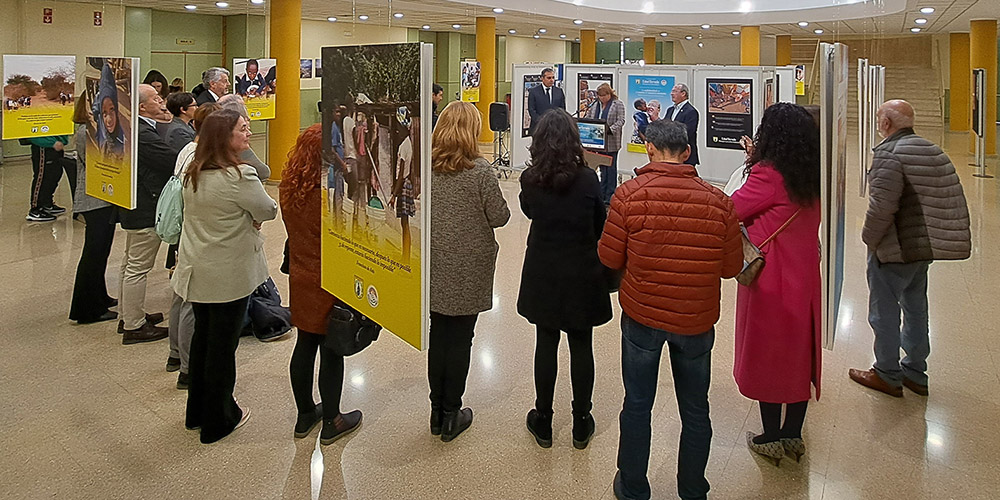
x: 500, y: 125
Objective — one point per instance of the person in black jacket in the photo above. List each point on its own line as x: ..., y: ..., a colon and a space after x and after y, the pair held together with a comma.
x: 564, y: 286
x: 544, y: 97
x: 155, y: 166
x: 683, y: 111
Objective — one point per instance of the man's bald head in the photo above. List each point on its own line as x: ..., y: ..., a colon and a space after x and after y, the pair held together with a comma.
x: 146, y: 92
x: 894, y: 116
x: 151, y: 104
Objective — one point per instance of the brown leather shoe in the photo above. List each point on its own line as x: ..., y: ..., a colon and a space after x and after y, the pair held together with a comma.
x: 871, y: 380
x: 155, y: 319
x: 146, y: 333
x: 915, y: 387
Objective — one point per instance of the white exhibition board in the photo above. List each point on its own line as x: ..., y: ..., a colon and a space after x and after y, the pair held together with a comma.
x: 717, y: 164
x: 519, y: 144
x: 786, y: 83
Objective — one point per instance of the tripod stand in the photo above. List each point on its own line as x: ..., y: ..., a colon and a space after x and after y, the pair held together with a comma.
x: 500, y: 125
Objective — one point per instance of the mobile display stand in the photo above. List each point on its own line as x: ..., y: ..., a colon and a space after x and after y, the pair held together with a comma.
x: 979, y: 120
x: 871, y: 93
x: 500, y: 125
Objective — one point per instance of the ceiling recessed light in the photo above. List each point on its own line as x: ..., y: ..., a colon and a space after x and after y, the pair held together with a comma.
x: 512, y: 32
x: 398, y: 15
x: 627, y: 39
x: 818, y: 31
x: 222, y: 5
x: 363, y: 17
x: 578, y: 21
x: 915, y: 30
x: 256, y: 2
x: 736, y: 33
x: 746, y: 6
x: 600, y: 39
x: 497, y: 10
x: 663, y: 34
x: 689, y: 37
x: 803, y: 24
x: 920, y: 21
x: 543, y: 30
x: 562, y: 35
x: 535, y: 36
x: 426, y: 26
x: 701, y: 44
x: 332, y: 19
x: 706, y: 26
x: 927, y: 10
x: 190, y: 7
x: 456, y: 26
x: 577, y: 39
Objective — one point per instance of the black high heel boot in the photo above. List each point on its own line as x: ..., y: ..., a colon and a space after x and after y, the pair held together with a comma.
x: 454, y: 423
x: 540, y: 426
x: 436, y: 417
x: 583, y: 430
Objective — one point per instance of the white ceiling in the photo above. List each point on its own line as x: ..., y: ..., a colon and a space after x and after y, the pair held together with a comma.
x: 440, y: 15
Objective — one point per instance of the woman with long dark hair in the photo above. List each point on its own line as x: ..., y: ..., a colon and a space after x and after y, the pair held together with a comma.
x: 468, y: 206
x: 220, y: 261
x: 158, y: 81
x: 778, y: 363
x: 301, y: 205
x: 563, y: 283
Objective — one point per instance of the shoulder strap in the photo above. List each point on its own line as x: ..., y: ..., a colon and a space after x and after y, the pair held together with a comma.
x: 780, y: 229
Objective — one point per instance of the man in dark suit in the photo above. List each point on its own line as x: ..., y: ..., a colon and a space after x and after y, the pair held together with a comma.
x: 155, y: 164
x: 216, y: 83
x: 683, y: 111
x: 544, y: 97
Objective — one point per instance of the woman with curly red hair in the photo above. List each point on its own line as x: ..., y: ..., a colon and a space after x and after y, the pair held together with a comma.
x: 301, y: 199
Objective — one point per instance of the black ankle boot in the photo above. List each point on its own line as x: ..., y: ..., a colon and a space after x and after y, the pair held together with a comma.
x: 436, y: 420
x: 308, y: 421
x: 540, y: 426
x: 583, y: 430
x: 454, y: 422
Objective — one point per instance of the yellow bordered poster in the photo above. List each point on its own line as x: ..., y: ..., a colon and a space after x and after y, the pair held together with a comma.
x: 112, y: 101
x: 471, y: 73
x: 38, y: 96
x: 253, y: 79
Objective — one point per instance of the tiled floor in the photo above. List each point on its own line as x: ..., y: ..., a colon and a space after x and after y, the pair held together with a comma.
x: 85, y: 417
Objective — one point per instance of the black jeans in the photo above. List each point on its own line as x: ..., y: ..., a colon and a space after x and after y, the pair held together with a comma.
x: 581, y: 367
x: 331, y: 374
x: 90, y: 290
x: 210, y: 402
x: 448, y: 358
x: 47, y: 168
x: 691, y: 365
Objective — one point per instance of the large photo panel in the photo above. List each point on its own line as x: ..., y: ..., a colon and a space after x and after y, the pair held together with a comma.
x: 254, y: 81
x: 38, y: 96
x: 112, y: 102
x: 376, y: 183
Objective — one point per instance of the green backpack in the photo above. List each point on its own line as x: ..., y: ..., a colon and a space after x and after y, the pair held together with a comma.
x: 170, y: 211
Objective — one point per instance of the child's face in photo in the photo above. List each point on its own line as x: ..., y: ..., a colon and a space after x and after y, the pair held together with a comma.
x: 108, y: 115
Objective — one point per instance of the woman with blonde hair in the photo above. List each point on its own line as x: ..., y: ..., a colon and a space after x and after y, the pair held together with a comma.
x: 611, y: 110
x: 468, y: 206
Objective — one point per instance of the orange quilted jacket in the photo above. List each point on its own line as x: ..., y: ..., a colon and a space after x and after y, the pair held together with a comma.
x: 675, y: 236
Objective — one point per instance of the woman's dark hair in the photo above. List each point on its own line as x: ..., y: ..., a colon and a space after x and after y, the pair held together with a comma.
x: 556, y: 152
x: 788, y: 139
x: 214, y: 150
x: 156, y: 76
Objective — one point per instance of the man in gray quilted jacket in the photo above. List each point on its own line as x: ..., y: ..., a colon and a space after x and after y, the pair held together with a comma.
x: 917, y: 214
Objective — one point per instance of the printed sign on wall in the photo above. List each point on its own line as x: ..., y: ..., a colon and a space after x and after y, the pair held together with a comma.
x: 649, y: 96
x: 471, y: 72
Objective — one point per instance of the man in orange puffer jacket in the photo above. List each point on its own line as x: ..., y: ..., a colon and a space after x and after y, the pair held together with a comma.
x: 675, y: 236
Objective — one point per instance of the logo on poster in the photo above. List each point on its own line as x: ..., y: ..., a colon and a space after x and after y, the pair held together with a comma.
x: 372, y: 296
x: 45, y: 128
x: 359, y: 287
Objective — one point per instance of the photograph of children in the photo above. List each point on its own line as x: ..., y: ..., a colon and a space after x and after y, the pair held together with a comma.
x: 729, y: 98
x: 254, y: 80
x: 768, y: 92
x: 647, y: 94
x: 588, y: 83
x: 530, y: 82
x: 318, y: 68
x: 305, y: 68
x: 110, y: 92
x: 38, y: 95
x: 470, y: 81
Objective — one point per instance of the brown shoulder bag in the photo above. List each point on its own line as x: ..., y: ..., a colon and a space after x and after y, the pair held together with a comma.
x: 753, y: 257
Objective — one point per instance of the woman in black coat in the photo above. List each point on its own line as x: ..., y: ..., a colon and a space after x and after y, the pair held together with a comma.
x: 563, y: 283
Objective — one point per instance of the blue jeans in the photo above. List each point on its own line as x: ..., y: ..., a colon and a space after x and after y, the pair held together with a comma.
x: 609, y: 178
x: 691, y: 364
x: 895, y: 288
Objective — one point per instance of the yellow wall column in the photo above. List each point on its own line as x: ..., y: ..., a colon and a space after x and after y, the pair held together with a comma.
x: 286, y: 39
x: 486, y: 54
x: 983, y: 54
x: 783, y: 49
x: 588, y: 47
x: 960, y: 84
x: 750, y: 46
x: 649, y: 50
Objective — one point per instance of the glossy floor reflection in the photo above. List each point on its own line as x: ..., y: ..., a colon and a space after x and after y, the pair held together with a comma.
x: 85, y: 417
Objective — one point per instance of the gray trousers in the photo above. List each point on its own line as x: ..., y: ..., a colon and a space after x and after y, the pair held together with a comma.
x: 895, y: 288
x: 181, y: 330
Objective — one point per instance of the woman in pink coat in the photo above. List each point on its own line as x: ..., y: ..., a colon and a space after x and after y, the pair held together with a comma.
x: 778, y: 345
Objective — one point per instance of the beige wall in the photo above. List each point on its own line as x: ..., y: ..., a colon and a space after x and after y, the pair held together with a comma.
x: 319, y: 34
x: 522, y: 50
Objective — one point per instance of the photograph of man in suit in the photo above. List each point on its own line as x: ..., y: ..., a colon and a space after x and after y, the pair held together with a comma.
x: 682, y: 111
x: 544, y: 97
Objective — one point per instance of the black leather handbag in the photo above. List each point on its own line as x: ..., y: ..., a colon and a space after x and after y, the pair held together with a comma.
x: 349, y: 332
